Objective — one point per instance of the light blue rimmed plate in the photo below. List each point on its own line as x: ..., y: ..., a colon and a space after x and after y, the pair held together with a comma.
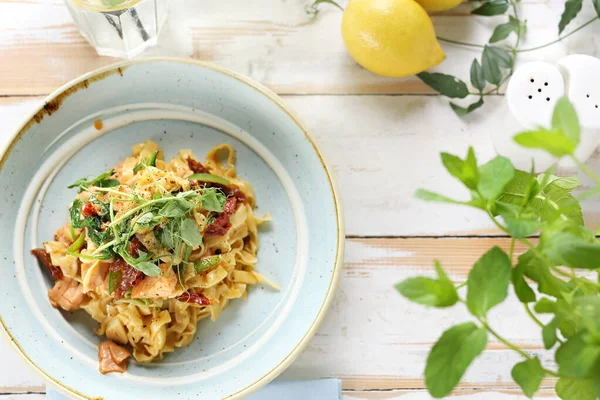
x: 179, y: 104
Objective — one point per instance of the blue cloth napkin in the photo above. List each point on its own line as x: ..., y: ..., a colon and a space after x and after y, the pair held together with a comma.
x: 318, y: 389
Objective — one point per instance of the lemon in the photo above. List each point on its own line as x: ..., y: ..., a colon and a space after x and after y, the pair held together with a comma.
x: 390, y: 37
x: 438, y: 5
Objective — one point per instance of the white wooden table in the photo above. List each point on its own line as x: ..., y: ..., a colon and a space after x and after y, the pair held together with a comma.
x: 382, y: 137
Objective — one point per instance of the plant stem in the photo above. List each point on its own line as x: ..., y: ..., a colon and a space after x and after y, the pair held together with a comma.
x: 504, y: 341
x: 458, y: 42
x: 532, y: 315
x: 560, y: 38
x: 512, y: 249
x: 461, y: 285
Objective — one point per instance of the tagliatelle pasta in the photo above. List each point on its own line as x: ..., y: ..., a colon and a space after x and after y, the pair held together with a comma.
x: 153, y: 247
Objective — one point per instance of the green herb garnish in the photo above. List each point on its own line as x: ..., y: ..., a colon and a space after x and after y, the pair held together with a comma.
x: 104, y: 181
x: 521, y: 204
x: 77, y: 244
x: 114, y: 279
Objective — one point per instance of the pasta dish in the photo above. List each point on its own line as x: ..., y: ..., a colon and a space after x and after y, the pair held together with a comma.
x: 152, y: 247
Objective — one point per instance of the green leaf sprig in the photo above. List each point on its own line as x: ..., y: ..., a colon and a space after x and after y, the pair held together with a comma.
x: 522, y: 204
x: 497, y: 62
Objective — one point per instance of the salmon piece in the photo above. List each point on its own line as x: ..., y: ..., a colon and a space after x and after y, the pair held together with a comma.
x: 66, y: 294
x: 112, y: 357
x: 158, y: 286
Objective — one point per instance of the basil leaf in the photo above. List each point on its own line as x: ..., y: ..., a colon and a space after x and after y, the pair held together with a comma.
x: 466, y: 171
x: 537, y: 271
x: 491, y: 8
x: 189, y: 233
x: 206, y: 263
x: 431, y: 196
x: 522, y: 289
x: 575, y: 389
x: 451, y: 356
x: 477, y: 78
x: 564, y: 119
x: 528, y: 374
x: 75, y: 212
x: 446, y: 85
x: 430, y: 292
x: 114, y: 279
x: 588, y: 307
x: 494, y: 176
x: 570, y: 250
x: 549, y: 334
x: 503, y: 58
x: 578, y: 359
x: 488, y: 282
x: 572, y: 8
x: 502, y: 31
x: 554, y: 142
x: 148, y: 268
x: 460, y: 111
x: 213, y: 200
x: 489, y: 66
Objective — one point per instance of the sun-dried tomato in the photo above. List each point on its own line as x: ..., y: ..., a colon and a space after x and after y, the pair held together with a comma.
x: 221, y: 224
x: 135, y: 246
x: 231, y: 191
x: 129, y: 277
x: 195, y: 298
x: 89, y: 209
x: 44, y: 258
x: 196, y: 166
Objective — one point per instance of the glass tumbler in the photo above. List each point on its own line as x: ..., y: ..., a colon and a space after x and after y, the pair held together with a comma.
x: 119, y: 28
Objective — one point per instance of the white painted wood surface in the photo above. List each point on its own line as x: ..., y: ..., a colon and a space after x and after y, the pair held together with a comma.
x: 382, y: 137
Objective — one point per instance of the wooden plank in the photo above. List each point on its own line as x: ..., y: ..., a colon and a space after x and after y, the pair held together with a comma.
x: 381, y: 154
x: 373, y: 338
x: 463, y: 394
x: 274, y: 43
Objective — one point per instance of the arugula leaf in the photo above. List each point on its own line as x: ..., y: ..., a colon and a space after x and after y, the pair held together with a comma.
x: 145, y: 218
x: 189, y: 233
x: 430, y: 292
x: 446, y: 85
x: 488, y: 282
x: 575, y: 389
x: 572, y: 8
x: 528, y: 374
x: 489, y: 66
x: 492, y: 7
x: 213, y: 200
x: 114, y: 279
x: 494, y: 176
x: 477, y: 78
x: 451, y: 356
x: 466, y: 171
x: 578, y: 359
x: 564, y: 119
x: 102, y: 180
x: 206, y: 263
x: 460, y: 111
x: 554, y: 142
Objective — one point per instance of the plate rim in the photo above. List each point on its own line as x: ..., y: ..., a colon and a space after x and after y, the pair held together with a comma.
x: 100, y: 73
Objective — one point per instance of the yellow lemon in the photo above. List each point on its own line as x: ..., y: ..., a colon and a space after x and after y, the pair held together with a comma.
x: 390, y: 37
x: 438, y: 5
